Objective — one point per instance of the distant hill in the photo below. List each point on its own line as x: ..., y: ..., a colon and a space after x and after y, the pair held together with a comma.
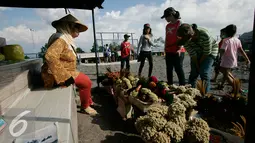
x: 246, y: 37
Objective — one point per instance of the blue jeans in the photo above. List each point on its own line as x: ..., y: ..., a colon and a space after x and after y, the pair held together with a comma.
x: 205, y: 72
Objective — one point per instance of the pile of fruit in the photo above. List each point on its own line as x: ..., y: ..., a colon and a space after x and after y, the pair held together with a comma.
x: 151, y: 90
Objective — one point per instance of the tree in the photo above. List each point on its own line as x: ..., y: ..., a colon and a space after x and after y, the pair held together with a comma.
x: 27, y: 57
x: 79, y: 50
x: 43, y: 51
x: 99, y: 49
x: 114, y: 45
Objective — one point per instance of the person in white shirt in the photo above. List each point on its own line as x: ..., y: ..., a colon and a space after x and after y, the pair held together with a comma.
x: 144, y: 49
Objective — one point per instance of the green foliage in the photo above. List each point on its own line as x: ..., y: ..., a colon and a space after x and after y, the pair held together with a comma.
x: 43, y: 51
x: 99, y: 48
x: 26, y: 57
x: 79, y: 50
x: 114, y: 45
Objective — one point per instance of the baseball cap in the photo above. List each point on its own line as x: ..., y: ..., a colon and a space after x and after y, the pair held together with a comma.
x: 168, y: 12
x: 147, y: 25
x: 126, y: 35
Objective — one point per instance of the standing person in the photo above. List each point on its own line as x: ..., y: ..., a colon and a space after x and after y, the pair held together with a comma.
x: 113, y: 54
x: 228, y: 52
x: 172, y: 50
x: 217, y: 61
x: 109, y: 55
x: 116, y: 54
x: 106, y: 53
x: 60, y: 61
x: 203, y: 50
x: 125, y: 52
x: 144, y: 49
x: 182, y: 52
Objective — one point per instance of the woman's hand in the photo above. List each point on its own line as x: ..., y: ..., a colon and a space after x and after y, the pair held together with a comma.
x: 147, y: 37
x: 179, y: 53
x: 69, y: 82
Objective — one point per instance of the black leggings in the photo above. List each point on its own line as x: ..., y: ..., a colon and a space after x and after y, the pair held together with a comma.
x: 174, y: 61
x: 142, y: 57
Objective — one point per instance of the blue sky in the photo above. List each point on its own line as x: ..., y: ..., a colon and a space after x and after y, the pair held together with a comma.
x: 125, y: 16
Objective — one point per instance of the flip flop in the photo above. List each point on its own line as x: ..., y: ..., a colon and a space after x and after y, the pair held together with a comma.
x: 89, y: 111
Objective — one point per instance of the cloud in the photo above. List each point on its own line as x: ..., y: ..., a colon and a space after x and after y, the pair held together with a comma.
x: 211, y: 14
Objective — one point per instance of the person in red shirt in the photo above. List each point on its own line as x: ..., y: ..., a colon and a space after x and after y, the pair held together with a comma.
x: 125, y: 52
x: 172, y: 50
x: 217, y: 61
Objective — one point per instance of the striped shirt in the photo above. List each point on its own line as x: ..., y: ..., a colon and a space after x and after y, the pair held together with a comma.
x: 205, y: 45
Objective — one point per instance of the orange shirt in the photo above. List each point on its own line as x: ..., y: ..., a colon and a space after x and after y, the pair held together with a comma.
x: 171, y: 38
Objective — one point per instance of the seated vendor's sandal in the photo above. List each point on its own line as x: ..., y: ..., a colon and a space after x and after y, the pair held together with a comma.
x: 89, y: 111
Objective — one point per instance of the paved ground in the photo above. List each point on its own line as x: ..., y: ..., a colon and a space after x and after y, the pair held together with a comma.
x: 108, y: 127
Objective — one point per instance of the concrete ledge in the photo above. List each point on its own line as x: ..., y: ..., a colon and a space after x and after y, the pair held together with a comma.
x: 16, y: 82
x: 49, y: 106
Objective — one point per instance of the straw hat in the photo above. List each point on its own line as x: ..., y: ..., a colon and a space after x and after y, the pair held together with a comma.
x: 70, y: 19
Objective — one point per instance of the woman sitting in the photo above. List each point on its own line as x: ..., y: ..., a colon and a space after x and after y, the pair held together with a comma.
x: 60, y: 61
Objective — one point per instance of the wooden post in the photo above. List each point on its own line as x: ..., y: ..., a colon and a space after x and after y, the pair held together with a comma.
x: 95, y: 43
x: 249, y: 133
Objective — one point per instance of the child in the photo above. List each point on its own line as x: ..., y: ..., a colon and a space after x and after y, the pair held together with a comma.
x: 125, y: 52
x: 228, y: 52
x: 217, y: 61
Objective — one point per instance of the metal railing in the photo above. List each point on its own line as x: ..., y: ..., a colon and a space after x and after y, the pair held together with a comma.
x: 32, y: 55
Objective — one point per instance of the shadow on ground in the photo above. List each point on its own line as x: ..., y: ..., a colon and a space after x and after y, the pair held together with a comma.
x: 122, y: 138
x: 109, y: 118
x: 108, y: 126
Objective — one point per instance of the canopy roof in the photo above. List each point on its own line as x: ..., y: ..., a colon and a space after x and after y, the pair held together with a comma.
x: 76, y: 4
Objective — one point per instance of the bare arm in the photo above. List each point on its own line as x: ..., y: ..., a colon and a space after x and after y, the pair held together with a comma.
x: 244, y: 55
